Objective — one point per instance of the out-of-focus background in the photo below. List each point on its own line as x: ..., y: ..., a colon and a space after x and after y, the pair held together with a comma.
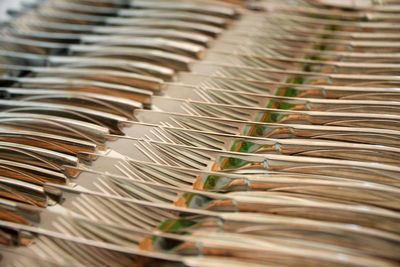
x: 4, y: 5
